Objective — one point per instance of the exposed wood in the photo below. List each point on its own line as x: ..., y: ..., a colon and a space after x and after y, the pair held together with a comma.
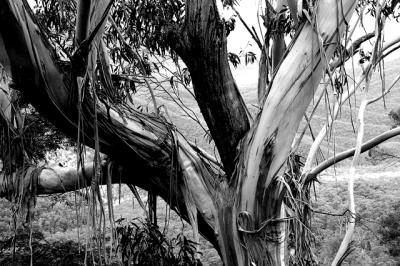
x: 263, y: 74
x: 292, y: 89
x: 245, y: 219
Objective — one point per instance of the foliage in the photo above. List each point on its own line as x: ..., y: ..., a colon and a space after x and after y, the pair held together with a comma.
x: 389, y: 7
x: 390, y: 231
x: 58, y: 18
x: 147, y: 22
x: 35, y: 137
x: 142, y: 243
x: 44, y: 253
x: 375, y: 200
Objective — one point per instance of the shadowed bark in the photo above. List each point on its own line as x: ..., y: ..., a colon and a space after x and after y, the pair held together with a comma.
x: 201, y: 43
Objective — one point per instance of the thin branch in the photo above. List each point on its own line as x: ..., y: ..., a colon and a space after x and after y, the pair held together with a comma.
x: 344, y: 98
x: 138, y: 198
x: 252, y: 33
x: 346, y: 154
x: 351, y: 51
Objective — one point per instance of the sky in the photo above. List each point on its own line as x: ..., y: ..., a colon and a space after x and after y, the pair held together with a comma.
x: 240, y: 38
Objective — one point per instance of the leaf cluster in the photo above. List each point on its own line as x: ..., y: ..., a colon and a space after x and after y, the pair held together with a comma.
x: 390, y: 8
x: 390, y: 230
x: 33, y: 138
x: 58, y: 18
x: 142, y: 243
x: 146, y: 22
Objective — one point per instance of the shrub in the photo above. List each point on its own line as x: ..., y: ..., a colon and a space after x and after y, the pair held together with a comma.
x: 390, y: 230
x: 142, y: 243
x: 44, y: 253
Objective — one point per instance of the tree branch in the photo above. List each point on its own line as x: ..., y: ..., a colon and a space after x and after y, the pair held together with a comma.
x: 82, y: 21
x: 203, y: 47
x: 350, y: 51
x: 348, y: 153
x: 344, y: 97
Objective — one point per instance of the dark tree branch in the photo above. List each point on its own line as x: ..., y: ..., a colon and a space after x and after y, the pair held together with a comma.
x: 82, y: 21
x: 350, y: 51
x: 202, y: 46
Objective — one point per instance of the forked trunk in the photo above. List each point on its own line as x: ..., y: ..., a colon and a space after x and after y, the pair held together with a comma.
x: 258, y: 200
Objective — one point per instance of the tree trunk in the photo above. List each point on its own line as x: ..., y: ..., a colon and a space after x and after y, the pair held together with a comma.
x: 244, y: 214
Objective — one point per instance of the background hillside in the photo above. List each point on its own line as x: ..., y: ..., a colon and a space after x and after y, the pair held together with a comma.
x: 377, y: 186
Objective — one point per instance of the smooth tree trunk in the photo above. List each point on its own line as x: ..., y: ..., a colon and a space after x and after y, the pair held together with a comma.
x: 240, y: 207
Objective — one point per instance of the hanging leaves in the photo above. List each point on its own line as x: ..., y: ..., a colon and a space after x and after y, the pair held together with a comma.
x: 250, y: 58
x: 234, y: 59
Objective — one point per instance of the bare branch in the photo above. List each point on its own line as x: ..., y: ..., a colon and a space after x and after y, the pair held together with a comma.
x: 344, y: 97
x: 366, y: 146
x: 350, y: 51
x: 252, y: 33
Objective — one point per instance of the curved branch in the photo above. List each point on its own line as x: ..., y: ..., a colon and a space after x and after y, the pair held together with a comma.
x: 351, y: 51
x: 344, y: 97
x: 346, y: 154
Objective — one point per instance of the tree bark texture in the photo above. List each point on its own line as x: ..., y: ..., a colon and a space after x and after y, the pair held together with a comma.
x: 243, y: 215
x: 202, y: 45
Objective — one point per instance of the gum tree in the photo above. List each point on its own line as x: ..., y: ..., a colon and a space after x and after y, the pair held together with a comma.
x: 251, y: 204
